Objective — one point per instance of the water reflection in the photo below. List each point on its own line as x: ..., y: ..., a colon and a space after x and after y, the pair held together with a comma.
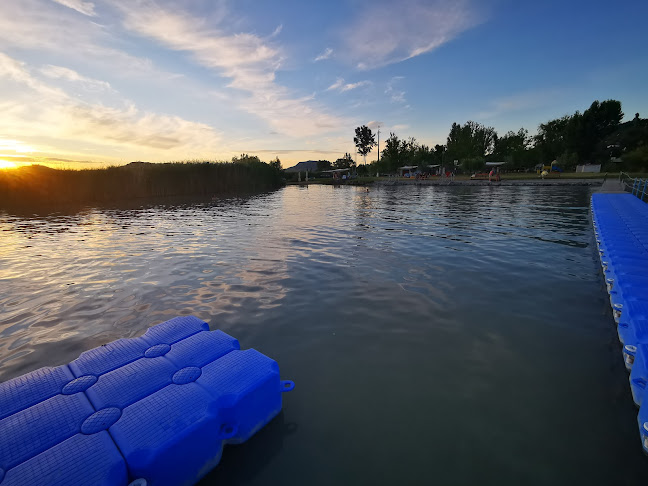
x: 411, y: 318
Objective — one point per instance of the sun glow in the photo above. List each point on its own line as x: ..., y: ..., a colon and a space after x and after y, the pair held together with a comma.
x: 6, y: 164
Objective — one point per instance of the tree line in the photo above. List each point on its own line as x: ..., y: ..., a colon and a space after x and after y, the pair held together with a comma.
x: 594, y: 136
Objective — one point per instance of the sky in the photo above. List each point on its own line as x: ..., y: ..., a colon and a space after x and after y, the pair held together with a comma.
x: 87, y: 83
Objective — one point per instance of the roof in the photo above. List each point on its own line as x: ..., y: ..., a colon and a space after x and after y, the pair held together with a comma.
x: 494, y: 164
x: 310, y: 165
x: 337, y: 170
x: 408, y: 167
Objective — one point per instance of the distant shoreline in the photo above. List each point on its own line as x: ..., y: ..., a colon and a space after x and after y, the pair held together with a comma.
x: 503, y: 182
x: 448, y: 182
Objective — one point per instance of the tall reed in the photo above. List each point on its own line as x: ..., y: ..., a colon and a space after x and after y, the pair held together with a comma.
x: 37, y: 185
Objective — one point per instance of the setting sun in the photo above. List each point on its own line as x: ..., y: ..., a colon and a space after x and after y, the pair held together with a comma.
x: 6, y: 164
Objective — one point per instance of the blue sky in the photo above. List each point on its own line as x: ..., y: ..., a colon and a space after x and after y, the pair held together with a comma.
x: 107, y: 82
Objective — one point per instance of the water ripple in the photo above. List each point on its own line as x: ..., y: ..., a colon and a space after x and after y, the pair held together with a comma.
x: 398, y: 304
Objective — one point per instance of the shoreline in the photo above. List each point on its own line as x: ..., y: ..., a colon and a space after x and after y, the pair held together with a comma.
x: 445, y: 182
x: 504, y: 182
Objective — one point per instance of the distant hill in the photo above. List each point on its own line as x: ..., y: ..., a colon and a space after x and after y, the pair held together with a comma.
x: 308, y: 165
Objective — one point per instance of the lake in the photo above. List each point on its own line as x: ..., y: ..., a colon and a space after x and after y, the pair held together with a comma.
x: 436, y: 335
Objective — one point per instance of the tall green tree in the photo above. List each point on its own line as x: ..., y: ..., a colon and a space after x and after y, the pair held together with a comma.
x: 345, y: 162
x: 323, y: 165
x: 364, y: 141
x: 391, y: 154
x: 597, y: 122
x: 469, y: 141
x: 553, y: 137
x: 512, y: 148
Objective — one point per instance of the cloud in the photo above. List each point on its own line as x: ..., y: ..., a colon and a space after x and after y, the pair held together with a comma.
x: 396, y: 96
x: 86, y: 8
x: 350, y: 86
x: 290, y: 151
x: 341, y: 87
x: 55, y: 114
x: 60, y: 72
x: 517, y: 102
x: 391, y: 32
x: 249, y: 61
x: 324, y: 55
x: 37, y: 26
x: 337, y: 85
x: 14, y: 70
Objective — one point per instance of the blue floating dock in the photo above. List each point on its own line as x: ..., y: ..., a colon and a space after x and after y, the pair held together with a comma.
x: 155, y: 410
x: 621, y: 231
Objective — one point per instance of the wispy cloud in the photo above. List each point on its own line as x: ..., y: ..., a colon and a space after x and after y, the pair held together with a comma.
x: 324, y: 55
x: 277, y: 31
x: 290, y: 151
x: 517, y: 102
x: 86, y: 8
x: 399, y: 128
x: 249, y: 61
x: 14, y: 70
x: 341, y: 86
x: 339, y: 82
x: 408, y: 28
x: 60, y: 72
x: 395, y: 95
x: 35, y: 25
x: 56, y: 114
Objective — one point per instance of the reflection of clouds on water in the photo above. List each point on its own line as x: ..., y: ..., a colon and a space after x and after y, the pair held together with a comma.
x: 87, y: 277
x: 406, y: 315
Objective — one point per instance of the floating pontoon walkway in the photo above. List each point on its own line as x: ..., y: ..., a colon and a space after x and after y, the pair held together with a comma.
x: 153, y: 410
x: 621, y: 229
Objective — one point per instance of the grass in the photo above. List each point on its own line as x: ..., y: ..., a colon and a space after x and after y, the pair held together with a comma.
x: 38, y: 185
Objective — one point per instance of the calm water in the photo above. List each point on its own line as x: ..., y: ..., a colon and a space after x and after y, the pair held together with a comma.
x: 436, y: 335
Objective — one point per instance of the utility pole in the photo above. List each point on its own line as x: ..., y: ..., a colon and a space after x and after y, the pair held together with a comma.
x: 378, y: 143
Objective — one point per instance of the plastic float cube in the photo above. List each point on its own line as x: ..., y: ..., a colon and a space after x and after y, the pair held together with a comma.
x: 621, y: 233
x: 155, y: 410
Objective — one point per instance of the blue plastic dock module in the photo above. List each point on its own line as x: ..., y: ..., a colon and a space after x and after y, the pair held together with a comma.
x: 158, y: 408
x: 621, y: 230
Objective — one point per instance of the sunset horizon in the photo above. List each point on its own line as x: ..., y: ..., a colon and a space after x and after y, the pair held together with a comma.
x: 94, y: 84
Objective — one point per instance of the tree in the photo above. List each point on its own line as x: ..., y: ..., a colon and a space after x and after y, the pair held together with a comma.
x: 470, y: 141
x: 423, y: 157
x: 512, y: 148
x: 551, y: 139
x: 246, y: 159
x: 438, y: 156
x: 276, y: 163
x: 323, y: 165
x: 364, y: 141
x: 598, y: 121
x: 391, y: 154
x: 345, y: 162
x: 579, y: 137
